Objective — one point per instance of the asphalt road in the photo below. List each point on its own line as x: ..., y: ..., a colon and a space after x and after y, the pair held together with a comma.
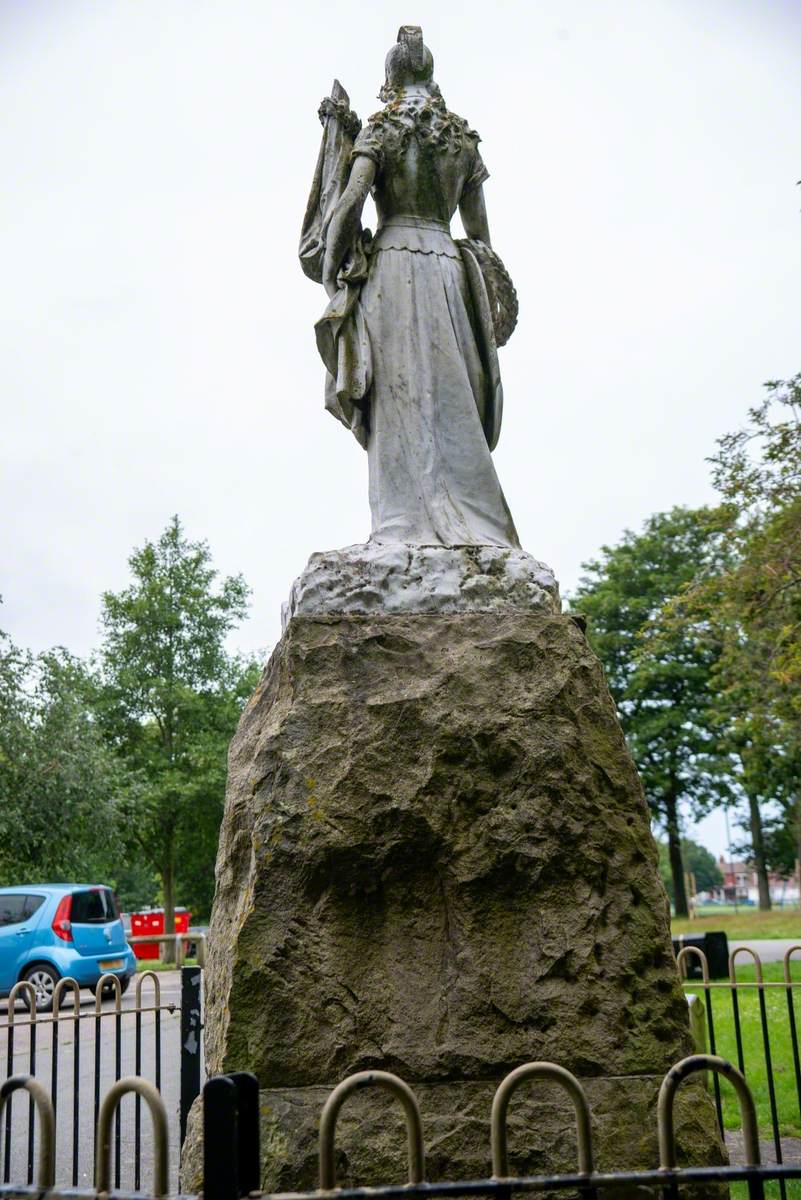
x: 41, y: 1047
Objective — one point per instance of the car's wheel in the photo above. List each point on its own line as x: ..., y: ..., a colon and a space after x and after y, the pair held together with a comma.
x: 109, y: 989
x: 44, y: 979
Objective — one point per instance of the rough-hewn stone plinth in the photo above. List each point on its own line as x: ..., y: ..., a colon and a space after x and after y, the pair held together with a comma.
x: 436, y: 859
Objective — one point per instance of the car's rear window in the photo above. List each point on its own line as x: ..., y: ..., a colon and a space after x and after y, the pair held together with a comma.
x: 17, y: 908
x: 94, y: 907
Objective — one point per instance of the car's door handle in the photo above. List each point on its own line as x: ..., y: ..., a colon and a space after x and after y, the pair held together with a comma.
x: 21, y: 931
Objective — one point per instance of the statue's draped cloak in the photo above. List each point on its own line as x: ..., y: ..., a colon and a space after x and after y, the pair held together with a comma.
x: 409, y: 345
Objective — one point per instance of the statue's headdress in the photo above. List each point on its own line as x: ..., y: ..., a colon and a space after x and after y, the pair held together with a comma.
x: 410, y: 60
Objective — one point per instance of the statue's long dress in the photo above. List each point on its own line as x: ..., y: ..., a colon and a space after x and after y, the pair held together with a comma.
x: 432, y: 478
x: 423, y: 349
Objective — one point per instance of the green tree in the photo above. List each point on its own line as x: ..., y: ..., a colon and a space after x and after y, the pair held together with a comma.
x: 659, y: 672
x: 200, y: 835
x: 697, y: 861
x: 169, y: 701
x: 57, y: 778
x: 752, y: 609
x: 757, y: 470
x: 779, y: 840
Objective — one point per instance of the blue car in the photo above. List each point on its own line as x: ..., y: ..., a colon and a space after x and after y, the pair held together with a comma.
x: 52, y: 931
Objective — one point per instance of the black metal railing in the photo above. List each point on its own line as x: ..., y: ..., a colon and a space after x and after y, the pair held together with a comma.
x: 232, y: 1152
x: 107, y: 1040
x: 228, y: 1170
x: 76, y: 1051
x: 715, y: 993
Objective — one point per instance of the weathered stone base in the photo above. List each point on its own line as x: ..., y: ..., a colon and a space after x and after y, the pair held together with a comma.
x: 371, y: 1137
x: 436, y: 859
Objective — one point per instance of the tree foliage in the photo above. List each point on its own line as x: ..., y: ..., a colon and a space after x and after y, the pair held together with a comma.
x: 697, y: 620
x: 57, y: 779
x: 117, y: 772
x: 659, y: 672
x: 752, y: 609
x: 697, y: 861
x: 758, y: 473
x: 169, y: 700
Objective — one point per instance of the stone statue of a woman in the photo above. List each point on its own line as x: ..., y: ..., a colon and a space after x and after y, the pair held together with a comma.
x: 414, y: 318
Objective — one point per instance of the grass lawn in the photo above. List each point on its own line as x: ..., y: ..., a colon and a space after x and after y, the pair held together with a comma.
x: 787, y: 1100
x: 788, y: 1105
x: 747, y: 923
x: 153, y: 964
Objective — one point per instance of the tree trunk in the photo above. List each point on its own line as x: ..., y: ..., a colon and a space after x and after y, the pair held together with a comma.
x: 168, y: 888
x: 758, y: 845
x: 676, y: 861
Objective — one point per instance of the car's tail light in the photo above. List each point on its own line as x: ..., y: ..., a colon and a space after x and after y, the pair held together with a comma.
x: 62, y: 926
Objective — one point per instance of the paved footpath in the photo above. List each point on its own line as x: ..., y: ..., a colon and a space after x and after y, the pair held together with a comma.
x: 791, y: 1152
x: 769, y: 949
x: 170, y: 984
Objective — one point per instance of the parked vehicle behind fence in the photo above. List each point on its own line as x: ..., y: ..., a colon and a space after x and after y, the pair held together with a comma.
x: 49, y: 931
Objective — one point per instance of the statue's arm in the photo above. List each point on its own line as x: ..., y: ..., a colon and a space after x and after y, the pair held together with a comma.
x: 473, y: 212
x: 344, y: 223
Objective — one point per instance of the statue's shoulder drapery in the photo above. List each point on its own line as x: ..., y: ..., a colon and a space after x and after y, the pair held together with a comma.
x: 340, y: 127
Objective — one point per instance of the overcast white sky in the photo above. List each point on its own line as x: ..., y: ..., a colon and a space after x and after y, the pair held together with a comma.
x: 156, y: 343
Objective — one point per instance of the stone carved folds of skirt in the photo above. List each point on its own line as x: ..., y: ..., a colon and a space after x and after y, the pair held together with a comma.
x: 432, y: 479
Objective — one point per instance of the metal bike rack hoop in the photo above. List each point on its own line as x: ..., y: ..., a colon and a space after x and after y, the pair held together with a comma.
x: 667, y: 1094
x: 47, y: 1123
x: 500, y: 1105
x: 328, y: 1122
x: 161, y: 1138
